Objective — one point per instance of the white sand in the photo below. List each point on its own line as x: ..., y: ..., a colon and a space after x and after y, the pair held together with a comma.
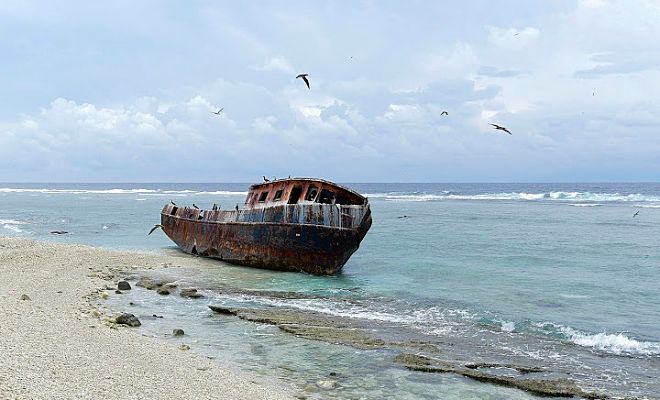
x: 52, y: 347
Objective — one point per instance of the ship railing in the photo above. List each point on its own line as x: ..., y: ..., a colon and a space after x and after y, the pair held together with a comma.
x: 330, y: 215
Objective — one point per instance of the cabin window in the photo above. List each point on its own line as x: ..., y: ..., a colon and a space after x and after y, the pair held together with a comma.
x: 311, y: 193
x: 278, y: 195
x: 263, y: 196
x: 295, y: 195
x: 339, y: 199
x: 326, y: 196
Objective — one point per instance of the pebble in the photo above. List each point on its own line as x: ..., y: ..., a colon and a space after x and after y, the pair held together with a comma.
x: 178, y: 332
x: 25, y: 297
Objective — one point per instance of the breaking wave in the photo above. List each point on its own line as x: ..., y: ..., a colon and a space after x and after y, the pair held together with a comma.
x: 618, y: 344
x: 575, y: 197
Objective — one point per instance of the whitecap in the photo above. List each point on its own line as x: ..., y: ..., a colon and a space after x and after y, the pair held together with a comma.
x: 13, y: 228
x: 611, y: 343
x: 509, y: 326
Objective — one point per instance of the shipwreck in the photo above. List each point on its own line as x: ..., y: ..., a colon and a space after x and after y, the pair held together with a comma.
x: 295, y: 224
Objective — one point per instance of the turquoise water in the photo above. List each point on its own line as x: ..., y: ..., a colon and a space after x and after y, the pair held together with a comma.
x: 560, y: 274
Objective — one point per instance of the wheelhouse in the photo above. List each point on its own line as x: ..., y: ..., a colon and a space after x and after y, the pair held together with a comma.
x: 300, y: 191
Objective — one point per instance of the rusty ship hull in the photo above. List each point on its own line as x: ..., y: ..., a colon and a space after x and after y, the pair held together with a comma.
x: 302, y: 236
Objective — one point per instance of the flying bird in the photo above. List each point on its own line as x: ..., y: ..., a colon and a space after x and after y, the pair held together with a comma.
x: 501, y: 128
x: 219, y: 111
x: 304, y: 78
x: 635, y: 214
x: 154, y: 228
x: 444, y: 113
x: 266, y: 179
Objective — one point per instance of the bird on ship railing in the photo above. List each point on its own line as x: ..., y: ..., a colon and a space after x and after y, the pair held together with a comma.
x: 266, y: 179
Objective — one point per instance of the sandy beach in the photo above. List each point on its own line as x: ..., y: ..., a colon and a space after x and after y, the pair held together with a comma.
x: 56, y: 346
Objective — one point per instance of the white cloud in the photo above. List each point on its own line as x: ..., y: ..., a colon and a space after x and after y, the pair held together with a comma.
x: 277, y: 63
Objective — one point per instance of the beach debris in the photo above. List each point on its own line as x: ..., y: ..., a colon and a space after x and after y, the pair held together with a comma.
x: 25, y: 297
x: 184, y: 347
x: 127, y: 319
x: 123, y: 285
x: 157, y: 316
x: 178, y: 332
x: 59, y: 232
x: 190, y: 293
x: 59, y: 291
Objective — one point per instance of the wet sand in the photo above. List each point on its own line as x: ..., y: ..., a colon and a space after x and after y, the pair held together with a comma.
x: 56, y: 345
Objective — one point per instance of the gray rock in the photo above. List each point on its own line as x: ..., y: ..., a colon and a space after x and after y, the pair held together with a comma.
x: 178, y: 332
x: 118, y: 292
x: 150, y: 284
x: 25, y: 297
x: 190, y: 293
x: 123, y: 285
x: 163, y: 291
x: 127, y: 319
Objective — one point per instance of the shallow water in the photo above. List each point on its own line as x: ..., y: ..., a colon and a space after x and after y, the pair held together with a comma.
x: 542, y: 272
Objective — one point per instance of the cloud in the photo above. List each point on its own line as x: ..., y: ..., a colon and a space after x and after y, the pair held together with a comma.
x: 277, y: 63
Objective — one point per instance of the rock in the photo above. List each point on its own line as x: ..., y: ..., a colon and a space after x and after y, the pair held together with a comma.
x: 223, y: 310
x: 157, y: 316
x: 59, y: 232
x: 130, y: 303
x: 163, y: 291
x: 311, y: 388
x: 184, y: 347
x: 25, y: 297
x: 118, y: 292
x: 178, y: 332
x: 190, y: 293
x: 150, y: 284
x: 327, y: 384
x: 127, y: 319
x: 170, y: 285
x: 123, y: 285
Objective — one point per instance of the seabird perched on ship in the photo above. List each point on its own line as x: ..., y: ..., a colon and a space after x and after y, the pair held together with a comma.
x: 195, y: 205
x: 266, y: 179
x: 173, y: 203
x: 501, y: 128
x: 304, y: 78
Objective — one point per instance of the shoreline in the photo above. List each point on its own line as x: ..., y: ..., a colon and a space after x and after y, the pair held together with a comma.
x: 56, y: 344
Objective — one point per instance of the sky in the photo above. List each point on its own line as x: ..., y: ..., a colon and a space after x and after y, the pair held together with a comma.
x: 123, y: 91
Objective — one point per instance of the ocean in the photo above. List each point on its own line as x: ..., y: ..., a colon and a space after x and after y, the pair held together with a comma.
x: 559, y: 276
